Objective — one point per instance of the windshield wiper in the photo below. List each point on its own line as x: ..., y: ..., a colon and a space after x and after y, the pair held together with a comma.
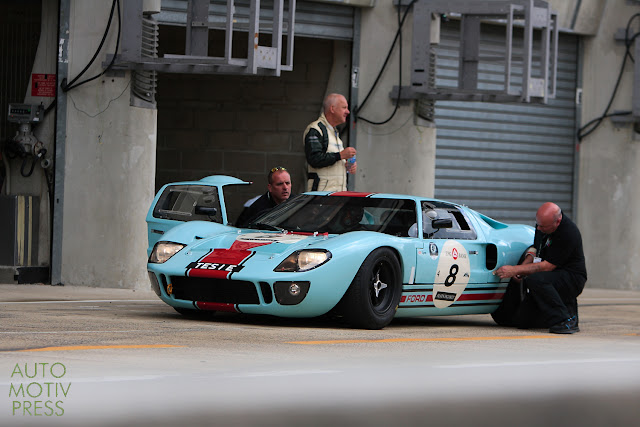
x: 264, y: 226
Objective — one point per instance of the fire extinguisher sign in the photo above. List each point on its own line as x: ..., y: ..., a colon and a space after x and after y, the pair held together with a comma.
x: 43, y: 85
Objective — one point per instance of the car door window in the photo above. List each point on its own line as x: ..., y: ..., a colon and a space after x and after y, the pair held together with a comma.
x: 189, y: 203
x: 461, y: 228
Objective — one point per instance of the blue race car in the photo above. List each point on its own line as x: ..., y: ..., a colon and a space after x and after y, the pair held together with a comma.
x: 368, y: 256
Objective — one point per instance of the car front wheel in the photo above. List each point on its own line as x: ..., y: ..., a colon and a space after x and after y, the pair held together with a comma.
x: 372, y: 299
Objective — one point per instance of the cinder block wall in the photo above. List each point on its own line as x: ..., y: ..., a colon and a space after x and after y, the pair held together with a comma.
x: 240, y: 125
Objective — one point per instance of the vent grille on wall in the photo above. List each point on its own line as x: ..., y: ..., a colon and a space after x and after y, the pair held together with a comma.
x: 144, y: 83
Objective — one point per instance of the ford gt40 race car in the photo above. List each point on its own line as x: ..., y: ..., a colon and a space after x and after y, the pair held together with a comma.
x: 368, y: 256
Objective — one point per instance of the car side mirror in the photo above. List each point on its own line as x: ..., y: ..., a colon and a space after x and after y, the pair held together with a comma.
x: 442, y: 223
x: 205, y: 210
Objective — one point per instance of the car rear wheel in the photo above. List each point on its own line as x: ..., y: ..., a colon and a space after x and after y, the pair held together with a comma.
x: 374, y: 294
x: 505, y: 314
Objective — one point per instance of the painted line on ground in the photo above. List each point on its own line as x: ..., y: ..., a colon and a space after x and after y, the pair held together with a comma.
x: 391, y: 340
x: 63, y: 332
x: 537, y: 362
x: 98, y: 332
x: 284, y: 373
x: 164, y: 376
x: 101, y: 347
x: 76, y: 301
x: 595, y: 302
x: 103, y: 379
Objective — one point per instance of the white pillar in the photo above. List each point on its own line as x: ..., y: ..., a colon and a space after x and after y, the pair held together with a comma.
x: 109, y: 164
x: 399, y: 156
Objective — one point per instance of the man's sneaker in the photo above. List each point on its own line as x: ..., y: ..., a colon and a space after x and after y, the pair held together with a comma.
x: 569, y: 326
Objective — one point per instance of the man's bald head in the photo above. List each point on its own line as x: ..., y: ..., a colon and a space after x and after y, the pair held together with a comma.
x: 336, y: 109
x: 548, y: 217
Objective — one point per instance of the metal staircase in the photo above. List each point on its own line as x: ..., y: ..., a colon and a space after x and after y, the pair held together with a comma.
x: 536, y: 79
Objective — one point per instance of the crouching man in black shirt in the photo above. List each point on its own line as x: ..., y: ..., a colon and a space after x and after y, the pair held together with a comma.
x: 553, y: 273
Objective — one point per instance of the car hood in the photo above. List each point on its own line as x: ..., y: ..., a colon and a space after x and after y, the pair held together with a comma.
x: 261, y: 242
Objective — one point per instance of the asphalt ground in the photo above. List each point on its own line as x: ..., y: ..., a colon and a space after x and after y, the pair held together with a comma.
x: 79, y: 355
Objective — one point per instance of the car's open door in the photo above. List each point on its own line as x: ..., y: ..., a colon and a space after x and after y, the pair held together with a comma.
x: 180, y: 202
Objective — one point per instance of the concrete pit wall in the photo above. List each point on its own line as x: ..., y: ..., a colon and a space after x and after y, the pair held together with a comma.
x: 109, y: 166
x: 608, y: 197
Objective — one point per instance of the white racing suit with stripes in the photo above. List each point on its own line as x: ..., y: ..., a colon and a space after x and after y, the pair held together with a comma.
x: 322, y: 145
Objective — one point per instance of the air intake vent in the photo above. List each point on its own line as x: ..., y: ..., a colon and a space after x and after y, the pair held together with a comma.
x: 144, y: 83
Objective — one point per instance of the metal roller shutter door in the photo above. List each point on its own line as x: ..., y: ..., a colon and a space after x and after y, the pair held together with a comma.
x: 504, y: 160
x: 316, y: 20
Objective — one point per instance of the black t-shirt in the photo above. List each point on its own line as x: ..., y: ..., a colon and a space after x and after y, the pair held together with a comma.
x: 563, y: 248
x: 262, y: 204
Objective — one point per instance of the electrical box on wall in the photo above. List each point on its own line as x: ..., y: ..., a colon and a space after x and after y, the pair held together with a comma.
x: 25, y: 113
x: 19, y: 216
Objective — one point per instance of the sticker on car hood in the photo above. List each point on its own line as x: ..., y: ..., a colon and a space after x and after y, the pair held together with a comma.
x: 221, y: 263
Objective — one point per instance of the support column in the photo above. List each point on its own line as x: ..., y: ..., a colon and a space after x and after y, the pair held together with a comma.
x: 105, y: 162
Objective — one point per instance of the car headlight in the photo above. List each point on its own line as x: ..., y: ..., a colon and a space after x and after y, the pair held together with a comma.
x: 304, y: 260
x: 162, y: 251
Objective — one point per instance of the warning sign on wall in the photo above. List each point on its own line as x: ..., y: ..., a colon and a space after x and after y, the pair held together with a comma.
x: 43, y: 85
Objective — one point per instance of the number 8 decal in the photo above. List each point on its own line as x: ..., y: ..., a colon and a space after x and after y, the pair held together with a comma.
x: 451, y: 278
x: 452, y: 274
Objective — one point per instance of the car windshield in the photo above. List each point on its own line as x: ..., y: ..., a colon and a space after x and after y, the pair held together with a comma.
x: 341, y: 214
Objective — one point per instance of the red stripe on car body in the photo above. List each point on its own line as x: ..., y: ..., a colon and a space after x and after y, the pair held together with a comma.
x: 307, y: 233
x: 217, y: 306
x: 351, y: 194
x: 464, y: 297
x: 476, y: 297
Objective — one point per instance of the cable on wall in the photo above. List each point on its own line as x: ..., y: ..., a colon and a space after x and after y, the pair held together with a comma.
x: 398, y: 37
x: 72, y: 84
x: 592, y: 125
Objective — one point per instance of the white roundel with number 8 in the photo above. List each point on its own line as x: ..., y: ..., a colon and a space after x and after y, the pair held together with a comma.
x: 452, y: 274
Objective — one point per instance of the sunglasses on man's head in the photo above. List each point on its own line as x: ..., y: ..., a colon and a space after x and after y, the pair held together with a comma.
x: 278, y: 168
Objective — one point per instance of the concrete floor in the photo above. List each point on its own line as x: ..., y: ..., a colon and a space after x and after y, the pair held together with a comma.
x: 130, y: 359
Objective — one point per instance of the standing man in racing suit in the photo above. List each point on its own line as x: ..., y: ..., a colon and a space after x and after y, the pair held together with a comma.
x: 326, y: 156
x: 554, y: 274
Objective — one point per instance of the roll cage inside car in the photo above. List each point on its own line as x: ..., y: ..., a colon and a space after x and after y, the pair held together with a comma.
x: 434, y: 213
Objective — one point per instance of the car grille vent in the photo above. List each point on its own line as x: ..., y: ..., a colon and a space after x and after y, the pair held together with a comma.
x: 267, y: 295
x: 214, y: 290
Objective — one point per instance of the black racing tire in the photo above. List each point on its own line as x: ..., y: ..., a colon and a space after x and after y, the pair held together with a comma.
x: 505, y: 314
x: 192, y: 313
x: 362, y: 306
